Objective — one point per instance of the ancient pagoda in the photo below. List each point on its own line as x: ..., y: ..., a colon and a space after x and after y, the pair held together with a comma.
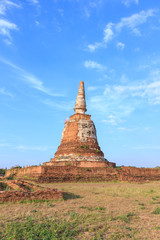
x: 79, y: 145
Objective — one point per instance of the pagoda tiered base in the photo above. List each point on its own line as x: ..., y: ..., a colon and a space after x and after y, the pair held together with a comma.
x: 80, y: 161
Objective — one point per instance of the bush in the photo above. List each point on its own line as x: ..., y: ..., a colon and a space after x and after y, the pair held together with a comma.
x: 3, y: 186
x: 18, y: 166
x: 119, y: 167
x: 2, y: 171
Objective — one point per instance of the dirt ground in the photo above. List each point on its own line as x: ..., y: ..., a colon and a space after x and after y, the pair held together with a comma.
x: 106, y: 210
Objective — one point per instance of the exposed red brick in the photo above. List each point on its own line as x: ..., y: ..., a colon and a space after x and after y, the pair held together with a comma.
x: 74, y: 173
x: 21, y: 190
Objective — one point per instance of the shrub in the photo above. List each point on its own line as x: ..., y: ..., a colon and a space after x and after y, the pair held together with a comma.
x: 2, y: 171
x: 3, y: 186
x: 18, y: 166
x: 119, y: 167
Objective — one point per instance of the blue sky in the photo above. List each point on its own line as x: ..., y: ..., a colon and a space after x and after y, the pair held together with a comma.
x: 48, y: 47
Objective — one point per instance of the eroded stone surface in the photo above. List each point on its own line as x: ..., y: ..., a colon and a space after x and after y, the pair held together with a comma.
x: 86, y: 130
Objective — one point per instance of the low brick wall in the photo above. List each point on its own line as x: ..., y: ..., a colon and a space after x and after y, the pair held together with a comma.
x: 132, y: 174
x: 14, y: 196
x: 27, y: 172
x: 75, y: 174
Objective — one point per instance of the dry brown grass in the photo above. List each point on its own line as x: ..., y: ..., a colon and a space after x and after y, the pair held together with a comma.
x: 103, y: 210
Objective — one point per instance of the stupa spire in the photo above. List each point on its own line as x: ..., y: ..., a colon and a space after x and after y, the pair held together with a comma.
x: 80, y: 106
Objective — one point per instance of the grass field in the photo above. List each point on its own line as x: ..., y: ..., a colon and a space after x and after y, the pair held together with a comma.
x: 89, y: 211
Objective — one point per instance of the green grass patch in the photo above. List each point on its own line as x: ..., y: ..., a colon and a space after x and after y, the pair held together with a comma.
x: 156, y: 211
x: 151, y: 202
x: 100, y: 208
x: 142, y: 207
x: 40, y: 229
x: 33, y: 211
x: 68, y: 195
x: 34, y: 201
x: 141, y: 204
x: 127, y: 218
x: 157, y: 228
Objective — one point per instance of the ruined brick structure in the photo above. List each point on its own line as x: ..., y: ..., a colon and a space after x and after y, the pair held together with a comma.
x: 79, y: 140
x: 16, y: 190
x: 74, y: 173
x: 78, y: 158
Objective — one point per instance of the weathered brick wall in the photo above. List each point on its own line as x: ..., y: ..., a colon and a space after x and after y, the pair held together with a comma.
x: 138, y: 174
x: 87, y: 173
x: 79, y: 138
x: 35, y: 171
x: 74, y: 174
x: 14, y: 196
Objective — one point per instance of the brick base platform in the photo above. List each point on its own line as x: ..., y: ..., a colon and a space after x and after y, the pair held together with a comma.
x: 84, y: 174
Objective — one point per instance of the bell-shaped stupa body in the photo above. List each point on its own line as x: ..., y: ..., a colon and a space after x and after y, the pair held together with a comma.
x: 79, y: 138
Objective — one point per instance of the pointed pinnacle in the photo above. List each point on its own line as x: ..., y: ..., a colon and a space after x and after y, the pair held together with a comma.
x: 80, y: 106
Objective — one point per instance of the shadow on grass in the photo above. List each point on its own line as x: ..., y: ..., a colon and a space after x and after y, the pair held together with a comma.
x: 68, y: 195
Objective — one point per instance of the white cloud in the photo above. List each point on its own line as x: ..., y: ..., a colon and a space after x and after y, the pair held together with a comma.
x: 117, y: 102
x: 31, y: 80
x: 111, y: 119
x: 149, y: 91
x: 108, y: 36
x: 108, y: 32
x: 94, y: 65
x: 34, y: 1
x: 120, y: 45
x: 37, y: 84
x: 6, y: 4
x: 5, y: 92
x: 129, y: 2
x: 93, y: 47
x: 7, y: 42
x: 135, y: 20
x: 37, y: 23
x: 112, y: 30
x: 6, y: 27
x: 86, y: 12
x: 124, y: 129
